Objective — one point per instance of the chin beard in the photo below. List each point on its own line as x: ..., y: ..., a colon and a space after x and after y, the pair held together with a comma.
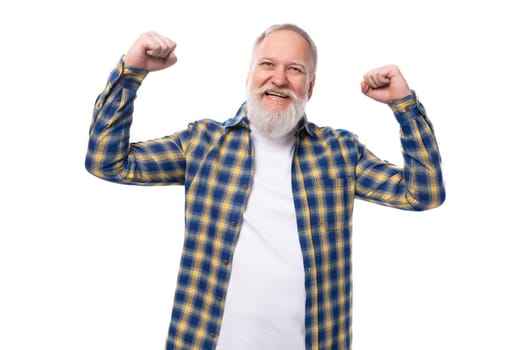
x: 275, y: 124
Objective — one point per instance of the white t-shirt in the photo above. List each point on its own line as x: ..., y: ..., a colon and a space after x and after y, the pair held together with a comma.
x: 265, y: 300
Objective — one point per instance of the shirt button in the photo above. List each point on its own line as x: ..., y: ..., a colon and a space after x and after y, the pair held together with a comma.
x: 234, y: 223
x: 226, y: 262
x: 213, y: 335
x: 219, y: 298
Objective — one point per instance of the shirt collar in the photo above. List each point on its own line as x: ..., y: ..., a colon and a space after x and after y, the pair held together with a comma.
x: 240, y: 119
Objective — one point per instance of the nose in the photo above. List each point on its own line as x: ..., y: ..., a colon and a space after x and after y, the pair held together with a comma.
x: 279, y: 78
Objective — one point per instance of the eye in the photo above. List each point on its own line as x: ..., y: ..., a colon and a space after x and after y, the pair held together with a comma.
x: 296, y: 70
x: 266, y: 64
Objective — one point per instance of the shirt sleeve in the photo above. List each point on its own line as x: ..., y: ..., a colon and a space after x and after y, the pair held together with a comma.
x: 419, y: 184
x: 110, y: 154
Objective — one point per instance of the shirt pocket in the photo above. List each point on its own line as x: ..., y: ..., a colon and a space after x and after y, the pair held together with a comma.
x: 332, y: 198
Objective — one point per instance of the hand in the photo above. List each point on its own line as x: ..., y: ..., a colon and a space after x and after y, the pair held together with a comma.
x: 385, y: 84
x: 151, y: 52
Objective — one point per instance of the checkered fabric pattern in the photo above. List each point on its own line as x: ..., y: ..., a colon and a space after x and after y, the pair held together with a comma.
x: 214, y: 161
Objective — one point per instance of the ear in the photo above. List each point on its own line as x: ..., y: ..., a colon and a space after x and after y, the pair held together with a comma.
x: 311, y: 87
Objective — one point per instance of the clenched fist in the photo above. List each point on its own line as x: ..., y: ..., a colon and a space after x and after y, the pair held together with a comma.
x: 151, y: 52
x: 385, y: 84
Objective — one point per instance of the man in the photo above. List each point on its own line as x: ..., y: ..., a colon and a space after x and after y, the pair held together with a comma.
x: 266, y: 261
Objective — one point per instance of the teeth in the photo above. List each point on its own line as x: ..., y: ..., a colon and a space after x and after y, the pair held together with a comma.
x: 272, y: 93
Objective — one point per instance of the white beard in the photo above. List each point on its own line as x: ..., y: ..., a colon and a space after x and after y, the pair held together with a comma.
x: 274, y: 124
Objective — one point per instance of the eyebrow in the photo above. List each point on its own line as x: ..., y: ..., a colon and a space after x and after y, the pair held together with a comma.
x: 295, y: 63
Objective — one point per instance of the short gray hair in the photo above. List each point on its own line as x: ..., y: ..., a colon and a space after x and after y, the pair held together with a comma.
x: 294, y: 28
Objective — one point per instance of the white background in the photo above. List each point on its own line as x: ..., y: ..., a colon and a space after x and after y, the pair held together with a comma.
x: 86, y: 264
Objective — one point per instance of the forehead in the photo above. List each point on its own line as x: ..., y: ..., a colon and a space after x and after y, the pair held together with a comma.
x: 284, y: 45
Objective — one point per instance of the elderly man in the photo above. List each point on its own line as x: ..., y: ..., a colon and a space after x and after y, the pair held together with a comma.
x: 266, y: 261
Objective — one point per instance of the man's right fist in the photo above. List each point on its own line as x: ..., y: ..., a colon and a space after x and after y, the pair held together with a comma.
x: 151, y: 52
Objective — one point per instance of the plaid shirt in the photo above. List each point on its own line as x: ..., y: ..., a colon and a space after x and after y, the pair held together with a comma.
x: 214, y: 161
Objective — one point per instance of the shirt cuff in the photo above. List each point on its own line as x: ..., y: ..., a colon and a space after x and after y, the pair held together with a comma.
x: 131, y: 77
x: 407, y: 108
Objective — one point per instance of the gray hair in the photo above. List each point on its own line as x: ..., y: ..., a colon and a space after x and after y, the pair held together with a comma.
x: 294, y: 28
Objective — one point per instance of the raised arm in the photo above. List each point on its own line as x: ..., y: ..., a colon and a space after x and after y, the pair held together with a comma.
x: 418, y: 185
x: 110, y: 154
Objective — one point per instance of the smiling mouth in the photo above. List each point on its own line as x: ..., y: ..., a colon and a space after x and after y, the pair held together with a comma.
x: 276, y: 94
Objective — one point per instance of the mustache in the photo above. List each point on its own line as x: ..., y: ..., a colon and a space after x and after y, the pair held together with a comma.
x: 270, y: 90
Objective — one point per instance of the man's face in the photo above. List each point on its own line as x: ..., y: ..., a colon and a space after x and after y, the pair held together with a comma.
x: 282, y: 66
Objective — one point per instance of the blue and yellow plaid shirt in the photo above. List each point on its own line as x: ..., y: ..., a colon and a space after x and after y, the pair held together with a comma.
x: 214, y: 161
